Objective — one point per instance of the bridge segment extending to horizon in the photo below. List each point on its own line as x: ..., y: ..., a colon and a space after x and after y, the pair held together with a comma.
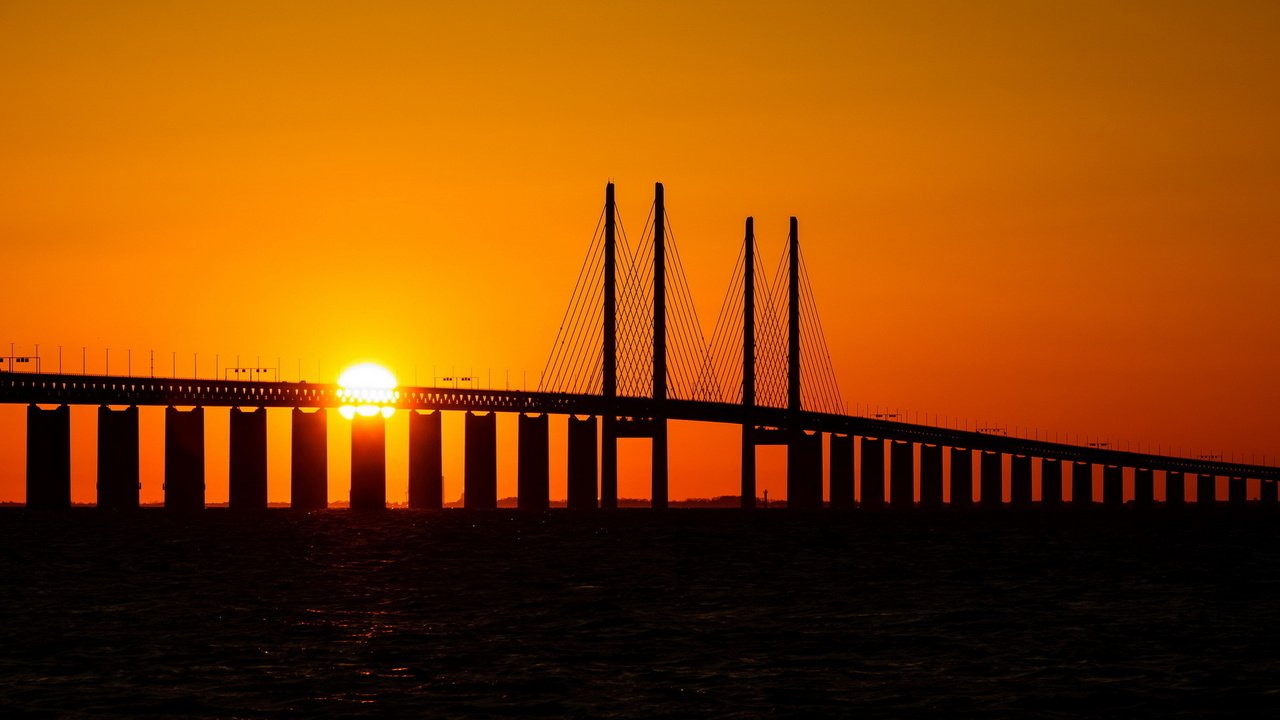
x: 887, y: 450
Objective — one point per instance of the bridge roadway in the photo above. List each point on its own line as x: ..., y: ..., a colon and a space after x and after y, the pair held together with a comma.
x: 49, y: 389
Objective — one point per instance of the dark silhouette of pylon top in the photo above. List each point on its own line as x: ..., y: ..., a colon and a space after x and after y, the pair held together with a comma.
x: 631, y: 328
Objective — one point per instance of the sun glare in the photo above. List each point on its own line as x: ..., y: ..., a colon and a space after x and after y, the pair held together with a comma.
x: 370, y: 388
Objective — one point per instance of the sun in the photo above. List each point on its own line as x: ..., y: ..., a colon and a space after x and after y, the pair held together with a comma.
x: 370, y: 388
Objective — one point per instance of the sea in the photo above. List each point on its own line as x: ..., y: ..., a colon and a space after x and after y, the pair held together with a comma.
x: 640, y: 614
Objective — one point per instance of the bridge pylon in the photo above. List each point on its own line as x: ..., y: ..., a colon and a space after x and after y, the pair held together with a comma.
x: 748, y: 492
x: 609, y: 362
x: 659, y: 490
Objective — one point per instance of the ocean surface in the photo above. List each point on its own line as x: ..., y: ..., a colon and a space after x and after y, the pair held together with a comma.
x: 687, y: 613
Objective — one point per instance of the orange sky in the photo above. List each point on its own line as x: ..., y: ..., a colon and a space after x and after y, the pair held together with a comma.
x: 1061, y: 216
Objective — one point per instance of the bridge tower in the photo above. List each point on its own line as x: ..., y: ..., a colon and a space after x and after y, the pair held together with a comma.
x: 609, y: 364
x: 654, y: 426
x: 748, y: 497
x: 659, y: 462
x: 804, y: 452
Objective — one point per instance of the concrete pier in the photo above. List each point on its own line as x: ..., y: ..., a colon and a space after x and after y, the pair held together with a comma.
x: 1051, y: 482
x: 991, y: 467
x: 748, y: 477
x: 931, y: 476
x: 841, y: 471
x: 184, y: 459
x: 480, y: 455
x: 118, y: 484
x: 1081, y: 484
x: 309, y: 460
x: 1267, y: 493
x: 658, y: 465
x: 533, y: 473
x: 1175, y: 489
x: 902, y: 475
x: 248, y: 456
x: 1237, y: 491
x: 1020, y: 481
x: 1144, y: 487
x: 804, y: 471
x: 426, y: 461
x: 1112, y: 485
x: 582, y: 463
x: 1206, y: 491
x: 368, y: 463
x: 49, y: 458
x: 872, y: 481
x: 961, y: 477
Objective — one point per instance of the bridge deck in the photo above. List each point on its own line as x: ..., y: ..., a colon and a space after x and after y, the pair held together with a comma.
x: 49, y: 388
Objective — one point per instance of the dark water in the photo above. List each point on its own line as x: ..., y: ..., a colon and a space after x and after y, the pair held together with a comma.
x: 636, y: 614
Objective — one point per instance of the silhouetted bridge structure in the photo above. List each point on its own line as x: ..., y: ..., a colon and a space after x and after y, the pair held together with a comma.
x: 629, y: 358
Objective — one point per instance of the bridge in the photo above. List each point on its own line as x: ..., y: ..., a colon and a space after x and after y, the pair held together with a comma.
x: 630, y: 356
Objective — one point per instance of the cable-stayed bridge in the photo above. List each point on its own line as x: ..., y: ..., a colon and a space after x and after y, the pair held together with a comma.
x: 629, y: 357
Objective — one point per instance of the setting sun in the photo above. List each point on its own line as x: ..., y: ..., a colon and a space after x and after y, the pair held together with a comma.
x: 370, y: 387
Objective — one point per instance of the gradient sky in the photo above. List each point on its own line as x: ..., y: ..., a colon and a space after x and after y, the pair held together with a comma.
x: 1061, y: 216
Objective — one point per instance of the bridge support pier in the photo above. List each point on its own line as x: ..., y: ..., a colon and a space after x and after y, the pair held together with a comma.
x: 902, y: 475
x: 1206, y: 491
x: 1113, y: 485
x: 991, y: 467
x: 804, y: 470
x: 368, y: 463
x: 426, y: 461
x: 480, y: 471
x: 961, y: 477
x: 582, y: 463
x: 748, y: 489
x: 872, y: 473
x: 841, y: 472
x: 533, y: 475
x: 658, y: 467
x: 1237, y: 491
x: 1050, y: 482
x: 608, y: 461
x: 309, y: 460
x: 1267, y: 493
x: 1081, y: 484
x: 184, y: 459
x: 931, y: 476
x: 49, y: 458
x: 1144, y: 488
x: 1175, y: 489
x: 1020, y: 481
x: 248, y: 458
x: 117, y: 458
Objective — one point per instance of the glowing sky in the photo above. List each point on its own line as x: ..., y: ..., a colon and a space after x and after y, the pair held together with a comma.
x: 1053, y: 215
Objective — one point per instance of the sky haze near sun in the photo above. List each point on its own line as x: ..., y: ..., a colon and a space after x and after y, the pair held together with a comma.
x: 1060, y: 216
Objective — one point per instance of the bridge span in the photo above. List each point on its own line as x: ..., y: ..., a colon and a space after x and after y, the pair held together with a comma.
x: 613, y: 377
x: 53, y: 389
x: 768, y: 424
